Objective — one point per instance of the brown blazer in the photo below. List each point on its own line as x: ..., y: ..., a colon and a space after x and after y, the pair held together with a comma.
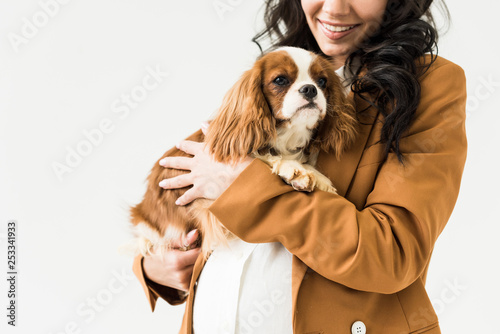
x: 361, y: 255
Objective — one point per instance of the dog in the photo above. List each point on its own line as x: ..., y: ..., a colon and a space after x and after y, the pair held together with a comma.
x: 284, y: 110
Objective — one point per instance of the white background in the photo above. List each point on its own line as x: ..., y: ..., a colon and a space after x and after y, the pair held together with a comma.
x: 62, y: 81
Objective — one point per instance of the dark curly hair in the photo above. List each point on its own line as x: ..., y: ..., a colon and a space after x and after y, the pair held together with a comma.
x: 390, y: 59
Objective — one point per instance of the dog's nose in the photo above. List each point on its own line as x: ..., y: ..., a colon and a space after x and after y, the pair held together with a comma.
x: 309, y: 91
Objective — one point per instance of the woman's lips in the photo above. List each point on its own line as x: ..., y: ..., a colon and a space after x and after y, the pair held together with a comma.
x: 337, y: 31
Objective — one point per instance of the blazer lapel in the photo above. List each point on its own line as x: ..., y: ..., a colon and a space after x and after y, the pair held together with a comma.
x: 187, y: 326
x: 342, y: 171
x: 298, y: 271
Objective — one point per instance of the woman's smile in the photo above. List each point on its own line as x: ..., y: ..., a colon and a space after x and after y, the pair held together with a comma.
x: 340, y: 26
x: 336, y: 31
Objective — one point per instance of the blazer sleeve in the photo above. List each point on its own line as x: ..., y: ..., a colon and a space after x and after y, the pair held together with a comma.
x: 154, y: 290
x: 386, y: 245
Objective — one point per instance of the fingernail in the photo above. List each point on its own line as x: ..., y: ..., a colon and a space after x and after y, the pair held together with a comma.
x: 178, y: 202
x: 190, y: 234
x: 163, y: 184
x: 178, y: 145
x: 204, y: 125
x: 162, y: 161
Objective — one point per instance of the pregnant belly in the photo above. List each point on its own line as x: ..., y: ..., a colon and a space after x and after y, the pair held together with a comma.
x: 245, y: 288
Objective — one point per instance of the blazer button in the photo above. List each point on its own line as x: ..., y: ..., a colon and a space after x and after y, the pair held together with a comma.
x: 358, y: 328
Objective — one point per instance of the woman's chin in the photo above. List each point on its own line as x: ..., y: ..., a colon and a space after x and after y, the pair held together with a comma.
x: 339, y: 52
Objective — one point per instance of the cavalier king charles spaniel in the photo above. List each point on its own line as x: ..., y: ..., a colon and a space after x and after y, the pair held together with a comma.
x: 284, y: 110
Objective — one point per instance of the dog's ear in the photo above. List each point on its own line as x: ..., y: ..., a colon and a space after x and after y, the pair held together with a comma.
x: 339, y: 128
x: 244, y: 123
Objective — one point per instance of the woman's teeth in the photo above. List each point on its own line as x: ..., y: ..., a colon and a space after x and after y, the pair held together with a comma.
x: 336, y: 28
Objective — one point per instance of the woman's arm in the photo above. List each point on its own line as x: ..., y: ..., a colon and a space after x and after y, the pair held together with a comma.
x: 385, y: 246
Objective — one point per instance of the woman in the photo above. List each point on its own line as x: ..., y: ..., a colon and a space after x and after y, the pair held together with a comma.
x: 360, y: 258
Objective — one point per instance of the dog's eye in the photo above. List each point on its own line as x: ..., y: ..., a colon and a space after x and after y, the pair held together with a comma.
x: 281, y: 81
x: 322, y: 82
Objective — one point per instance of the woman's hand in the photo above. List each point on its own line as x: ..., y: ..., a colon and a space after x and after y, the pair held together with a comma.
x: 175, y: 267
x: 208, y: 177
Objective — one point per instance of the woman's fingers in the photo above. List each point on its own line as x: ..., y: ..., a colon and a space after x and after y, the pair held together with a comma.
x: 191, y: 238
x: 184, y: 163
x: 190, y: 147
x: 185, y: 242
x: 188, y: 258
x: 185, y: 263
x: 174, y: 268
x: 209, y: 178
x: 188, y: 196
x: 184, y: 278
x: 176, y: 182
x: 204, y: 127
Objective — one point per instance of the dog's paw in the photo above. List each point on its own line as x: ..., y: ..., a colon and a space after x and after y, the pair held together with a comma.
x: 296, y: 175
x: 302, y: 180
x: 323, y: 183
x: 328, y: 187
x: 302, y: 177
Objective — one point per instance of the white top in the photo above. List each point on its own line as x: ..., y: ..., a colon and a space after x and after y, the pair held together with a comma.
x: 246, y: 288
x: 343, y: 80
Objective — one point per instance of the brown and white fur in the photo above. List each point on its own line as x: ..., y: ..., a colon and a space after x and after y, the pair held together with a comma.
x: 284, y: 110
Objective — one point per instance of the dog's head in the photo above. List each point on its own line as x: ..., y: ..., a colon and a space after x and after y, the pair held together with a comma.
x: 291, y: 98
